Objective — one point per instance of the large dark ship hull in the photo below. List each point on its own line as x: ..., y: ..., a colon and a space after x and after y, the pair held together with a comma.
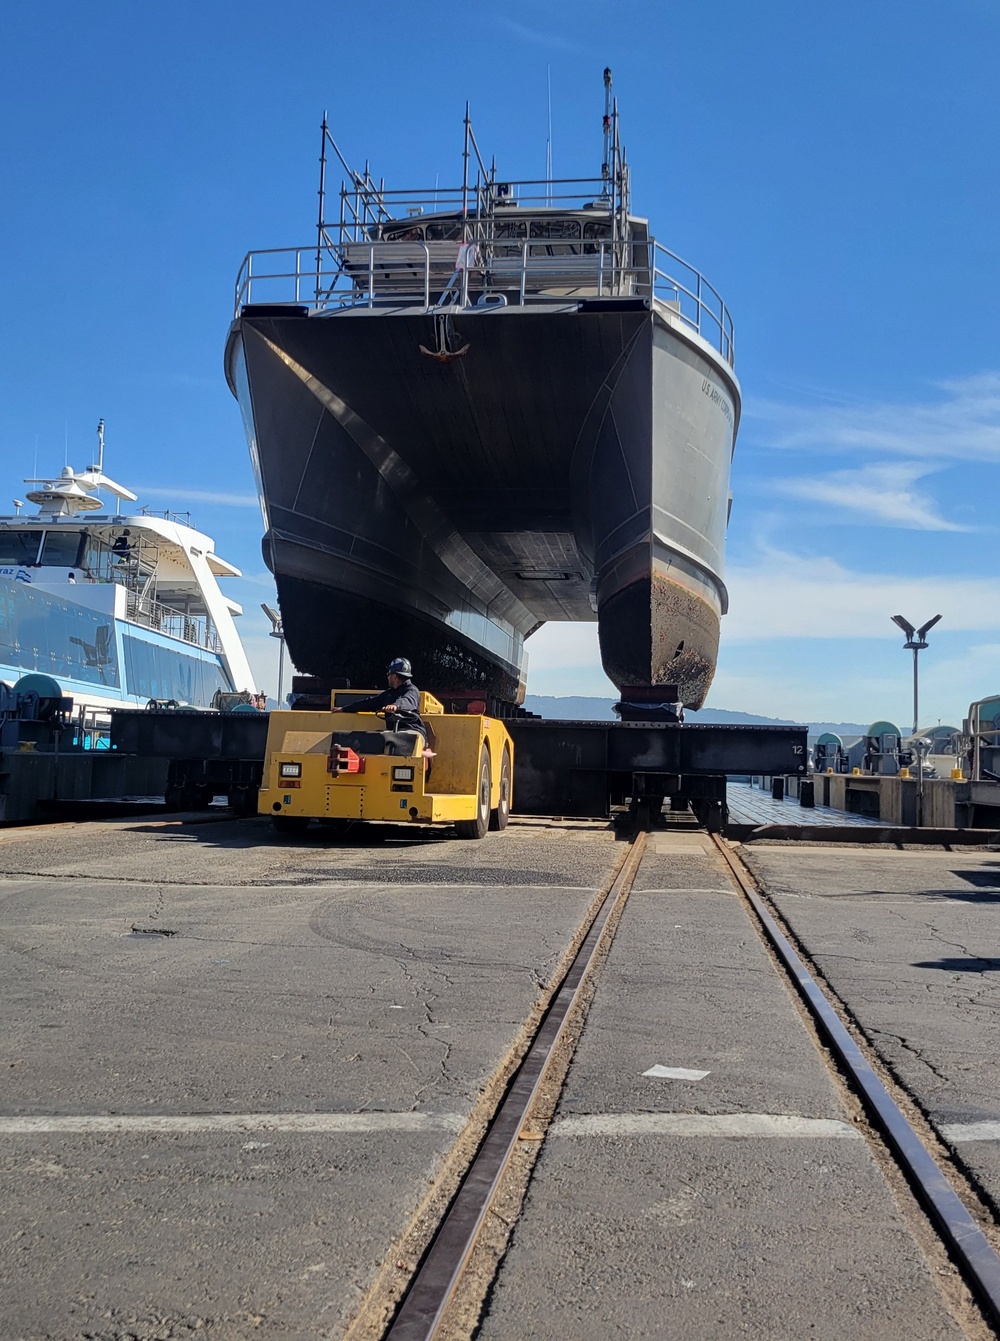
x: 438, y: 486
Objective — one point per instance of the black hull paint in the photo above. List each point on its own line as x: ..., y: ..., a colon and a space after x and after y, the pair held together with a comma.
x: 355, y: 639
x: 442, y: 510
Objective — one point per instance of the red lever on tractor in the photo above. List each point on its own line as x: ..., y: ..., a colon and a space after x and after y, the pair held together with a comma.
x: 344, y: 760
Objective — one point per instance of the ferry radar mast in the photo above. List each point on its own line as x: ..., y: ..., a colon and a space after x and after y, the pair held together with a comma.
x: 73, y: 492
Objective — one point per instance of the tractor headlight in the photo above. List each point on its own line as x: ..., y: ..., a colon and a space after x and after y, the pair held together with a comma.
x: 402, y: 774
x: 290, y: 770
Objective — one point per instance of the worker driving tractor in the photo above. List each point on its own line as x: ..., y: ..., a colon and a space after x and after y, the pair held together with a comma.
x: 342, y: 774
x: 400, y: 702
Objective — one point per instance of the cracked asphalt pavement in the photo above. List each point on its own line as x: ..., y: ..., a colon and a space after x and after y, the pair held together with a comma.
x: 385, y: 977
x: 910, y: 941
x: 236, y: 1065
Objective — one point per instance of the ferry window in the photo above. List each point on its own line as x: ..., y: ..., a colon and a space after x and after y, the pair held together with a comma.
x: 97, y: 556
x: 509, y: 228
x: 19, y: 547
x: 451, y: 231
x: 154, y: 671
x: 41, y: 632
x: 62, y: 549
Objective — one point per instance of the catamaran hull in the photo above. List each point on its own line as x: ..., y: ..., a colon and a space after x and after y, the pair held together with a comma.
x: 439, y: 485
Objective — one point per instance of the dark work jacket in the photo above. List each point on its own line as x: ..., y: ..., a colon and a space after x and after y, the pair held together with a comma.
x: 407, y: 701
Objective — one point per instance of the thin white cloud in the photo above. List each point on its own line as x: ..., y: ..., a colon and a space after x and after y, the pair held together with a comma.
x: 254, y: 629
x: 566, y: 659
x: 883, y: 492
x: 855, y: 690
x: 552, y: 41
x: 963, y: 424
x: 199, y: 496
x: 848, y: 694
x: 786, y: 596
x: 980, y: 660
x: 261, y: 579
x: 262, y: 653
x: 558, y: 644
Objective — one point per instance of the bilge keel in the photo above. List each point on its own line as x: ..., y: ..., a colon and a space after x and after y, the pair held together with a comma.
x: 475, y: 410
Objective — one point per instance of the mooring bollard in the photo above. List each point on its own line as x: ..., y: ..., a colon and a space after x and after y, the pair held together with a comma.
x: 777, y: 789
x: 807, y: 793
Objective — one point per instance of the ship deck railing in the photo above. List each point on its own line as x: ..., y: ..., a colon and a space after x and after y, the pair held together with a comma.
x: 135, y: 568
x: 381, y: 273
x: 197, y: 630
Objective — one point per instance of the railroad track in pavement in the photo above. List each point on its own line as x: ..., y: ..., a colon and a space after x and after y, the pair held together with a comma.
x: 441, y: 1297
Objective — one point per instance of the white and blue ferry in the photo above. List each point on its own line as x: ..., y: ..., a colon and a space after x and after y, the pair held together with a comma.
x: 118, y: 608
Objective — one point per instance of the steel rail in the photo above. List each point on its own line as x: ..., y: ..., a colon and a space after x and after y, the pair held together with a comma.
x: 966, y: 1242
x: 440, y: 1272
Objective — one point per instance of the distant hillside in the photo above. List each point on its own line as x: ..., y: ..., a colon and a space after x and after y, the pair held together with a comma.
x: 599, y: 710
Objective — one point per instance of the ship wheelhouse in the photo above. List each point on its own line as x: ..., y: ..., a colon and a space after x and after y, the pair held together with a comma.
x: 507, y: 256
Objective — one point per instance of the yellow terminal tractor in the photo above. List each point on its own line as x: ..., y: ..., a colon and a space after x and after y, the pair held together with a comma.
x: 341, y: 766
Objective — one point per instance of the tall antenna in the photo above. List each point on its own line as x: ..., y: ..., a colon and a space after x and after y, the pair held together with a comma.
x: 465, y: 177
x: 606, y: 165
x: 100, y: 446
x: 320, y: 223
x: 548, y: 142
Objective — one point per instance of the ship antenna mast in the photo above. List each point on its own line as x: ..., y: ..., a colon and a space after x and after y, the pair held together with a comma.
x: 465, y: 177
x: 548, y: 142
x: 100, y: 446
x: 606, y: 165
x: 362, y: 203
x: 321, y: 225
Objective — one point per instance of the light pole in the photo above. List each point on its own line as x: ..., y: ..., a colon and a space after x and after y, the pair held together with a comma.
x: 277, y: 631
x: 922, y: 749
x: 916, y: 640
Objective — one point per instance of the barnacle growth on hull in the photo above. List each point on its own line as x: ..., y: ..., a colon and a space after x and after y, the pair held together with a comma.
x: 658, y: 632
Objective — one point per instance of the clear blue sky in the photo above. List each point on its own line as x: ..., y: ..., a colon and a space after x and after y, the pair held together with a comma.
x: 832, y: 169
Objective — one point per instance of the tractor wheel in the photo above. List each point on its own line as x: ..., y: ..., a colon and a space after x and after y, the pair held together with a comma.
x: 500, y: 816
x: 478, y: 827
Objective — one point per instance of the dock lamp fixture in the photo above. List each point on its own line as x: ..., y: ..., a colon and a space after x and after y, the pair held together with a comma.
x: 277, y: 631
x: 916, y: 641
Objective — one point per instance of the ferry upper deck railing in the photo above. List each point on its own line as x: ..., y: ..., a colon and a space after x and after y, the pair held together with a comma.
x: 135, y: 568
x: 198, y: 630
x: 437, y: 272
x: 182, y: 518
